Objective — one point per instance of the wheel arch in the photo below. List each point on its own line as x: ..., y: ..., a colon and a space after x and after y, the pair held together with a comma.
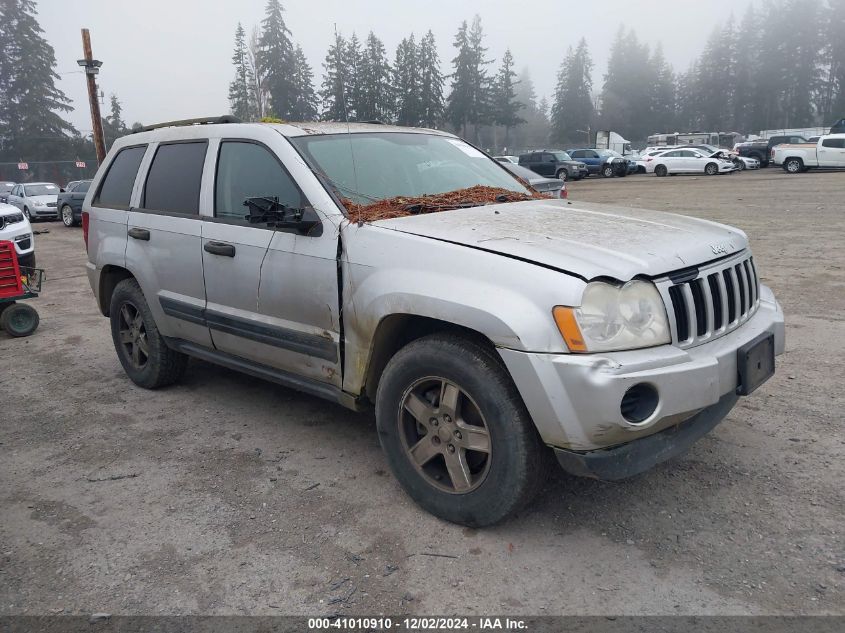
x: 395, y: 331
x: 110, y: 276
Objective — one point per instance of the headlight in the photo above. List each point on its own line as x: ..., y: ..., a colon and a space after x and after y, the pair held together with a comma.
x: 615, y: 318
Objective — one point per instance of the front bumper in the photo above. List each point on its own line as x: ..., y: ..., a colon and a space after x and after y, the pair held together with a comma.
x: 575, y: 399
x: 44, y: 212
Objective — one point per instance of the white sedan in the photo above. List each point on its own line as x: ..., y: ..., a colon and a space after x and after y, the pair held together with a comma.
x: 686, y: 161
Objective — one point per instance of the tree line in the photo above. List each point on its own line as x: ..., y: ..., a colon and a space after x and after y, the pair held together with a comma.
x: 781, y: 65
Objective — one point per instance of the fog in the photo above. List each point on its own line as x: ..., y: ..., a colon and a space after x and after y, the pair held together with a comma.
x: 172, y: 59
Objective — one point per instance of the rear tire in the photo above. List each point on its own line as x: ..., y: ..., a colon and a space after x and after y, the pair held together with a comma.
x: 19, y: 319
x: 793, y: 165
x: 140, y: 347
x: 67, y: 216
x: 505, y: 464
x: 660, y: 171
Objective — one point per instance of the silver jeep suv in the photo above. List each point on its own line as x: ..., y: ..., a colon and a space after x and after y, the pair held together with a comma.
x: 489, y: 335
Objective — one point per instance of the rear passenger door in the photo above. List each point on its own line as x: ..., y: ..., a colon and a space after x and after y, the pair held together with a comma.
x: 164, y: 249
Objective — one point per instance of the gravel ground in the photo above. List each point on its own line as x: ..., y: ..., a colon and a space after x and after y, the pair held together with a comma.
x: 227, y: 495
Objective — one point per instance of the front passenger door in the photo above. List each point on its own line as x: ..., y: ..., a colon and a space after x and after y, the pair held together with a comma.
x: 268, y: 303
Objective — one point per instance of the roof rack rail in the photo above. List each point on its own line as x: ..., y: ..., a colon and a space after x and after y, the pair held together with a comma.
x: 226, y: 118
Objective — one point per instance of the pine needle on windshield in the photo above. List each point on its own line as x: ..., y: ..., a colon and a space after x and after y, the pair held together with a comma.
x: 403, y: 206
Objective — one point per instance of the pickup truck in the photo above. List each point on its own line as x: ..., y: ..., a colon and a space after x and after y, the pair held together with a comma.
x: 490, y: 328
x: 828, y: 153
x: 762, y: 149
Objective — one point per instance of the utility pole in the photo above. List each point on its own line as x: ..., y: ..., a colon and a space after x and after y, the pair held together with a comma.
x: 92, y: 67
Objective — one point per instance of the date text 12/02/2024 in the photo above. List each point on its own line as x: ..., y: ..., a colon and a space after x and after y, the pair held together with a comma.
x: 411, y: 624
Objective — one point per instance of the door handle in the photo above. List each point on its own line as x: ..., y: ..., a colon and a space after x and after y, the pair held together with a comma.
x: 139, y: 234
x: 219, y: 248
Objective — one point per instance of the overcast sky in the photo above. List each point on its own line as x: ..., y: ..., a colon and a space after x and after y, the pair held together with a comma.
x: 171, y: 59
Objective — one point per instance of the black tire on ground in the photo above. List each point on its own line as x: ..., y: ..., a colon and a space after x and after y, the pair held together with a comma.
x: 154, y: 364
x: 19, y: 319
x: 28, y: 216
x: 67, y: 216
x: 759, y: 157
x: 711, y: 169
x: 503, y: 479
x: 607, y: 171
x: 660, y: 171
x: 740, y: 164
x: 562, y: 175
x: 793, y: 165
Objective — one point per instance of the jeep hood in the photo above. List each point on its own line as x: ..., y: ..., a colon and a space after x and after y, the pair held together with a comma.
x: 585, y: 239
x: 8, y: 209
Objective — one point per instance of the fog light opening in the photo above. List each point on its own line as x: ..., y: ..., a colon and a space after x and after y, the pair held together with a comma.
x: 639, y: 403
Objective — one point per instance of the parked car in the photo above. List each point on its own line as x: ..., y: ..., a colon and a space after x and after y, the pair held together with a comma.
x: 761, y: 150
x: 488, y: 335
x: 5, y: 190
x: 552, y: 187
x: 514, y: 160
x: 15, y: 227
x: 69, y: 202
x: 36, y: 199
x: 554, y: 164
x: 603, y: 162
x: 688, y: 161
x: 828, y: 153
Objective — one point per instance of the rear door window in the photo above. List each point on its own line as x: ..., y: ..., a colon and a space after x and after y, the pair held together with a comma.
x: 116, y: 190
x: 174, y: 179
x: 248, y: 170
x: 838, y: 143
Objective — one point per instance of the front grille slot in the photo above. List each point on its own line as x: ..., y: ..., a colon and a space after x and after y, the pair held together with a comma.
x: 717, y: 301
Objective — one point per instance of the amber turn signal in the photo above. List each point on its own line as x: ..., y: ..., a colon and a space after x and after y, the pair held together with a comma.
x: 568, y: 326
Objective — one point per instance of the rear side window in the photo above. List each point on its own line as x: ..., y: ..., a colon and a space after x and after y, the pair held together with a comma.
x: 838, y: 143
x: 248, y: 170
x: 577, y: 154
x: 116, y: 190
x: 173, y: 183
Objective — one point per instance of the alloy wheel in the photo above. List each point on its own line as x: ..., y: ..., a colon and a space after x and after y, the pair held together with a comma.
x: 444, y: 435
x: 67, y: 215
x: 133, y: 335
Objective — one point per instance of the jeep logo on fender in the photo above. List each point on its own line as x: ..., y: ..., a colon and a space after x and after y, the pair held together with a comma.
x: 723, y: 248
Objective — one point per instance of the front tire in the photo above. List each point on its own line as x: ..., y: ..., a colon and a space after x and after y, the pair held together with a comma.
x: 711, y: 169
x: 27, y: 214
x: 67, y: 216
x: 607, y: 171
x: 456, y: 433
x: 140, y: 347
x: 562, y: 175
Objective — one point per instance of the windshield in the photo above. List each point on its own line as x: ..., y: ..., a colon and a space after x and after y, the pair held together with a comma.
x: 6, y: 187
x: 401, y: 164
x: 562, y: 156
x: 41, y: 190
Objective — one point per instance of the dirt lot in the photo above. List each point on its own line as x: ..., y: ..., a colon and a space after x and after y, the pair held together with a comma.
x: 230, y: 496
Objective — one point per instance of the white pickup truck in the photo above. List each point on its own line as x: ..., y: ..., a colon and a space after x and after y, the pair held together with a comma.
x: 828, y: 153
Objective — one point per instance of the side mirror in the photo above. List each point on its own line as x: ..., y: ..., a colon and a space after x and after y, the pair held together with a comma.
x: 304, y: 222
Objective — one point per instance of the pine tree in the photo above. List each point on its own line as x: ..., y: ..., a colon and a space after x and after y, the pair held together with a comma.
x: 353, y: 76
x: 572, y: 110
x: 375, y: 83
x: 406, y: 81
x: 113, y: 125
x: 469, y: 101
x: 305, y: 99
x: 662, y: 94
x: 504, y: 104
x: 744, y: 76
x: 242, y: 89
x: 30, y: 102
x: 334, y: 93
x: 274, y: 58
x: 834, y: 97
x: 625, y: 95
x: 431, y: 82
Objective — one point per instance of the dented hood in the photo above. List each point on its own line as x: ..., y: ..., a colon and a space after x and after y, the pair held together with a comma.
x: 588, y: 240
